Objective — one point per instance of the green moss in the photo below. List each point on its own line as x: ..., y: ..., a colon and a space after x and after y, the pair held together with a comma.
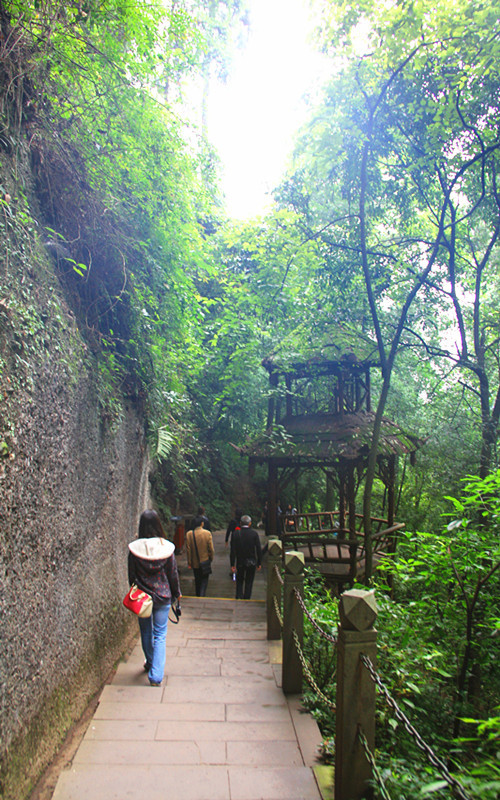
x: 22, y: 764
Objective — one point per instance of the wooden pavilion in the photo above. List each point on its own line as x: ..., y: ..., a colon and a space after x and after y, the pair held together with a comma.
x: 320, y: 416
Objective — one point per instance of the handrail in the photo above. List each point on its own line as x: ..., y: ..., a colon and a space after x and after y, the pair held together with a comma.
x: 419, y: 741
x: 336, y: 513
x: 288, y: 625
x: 331, y: 547
x: 326, y: 531
x: 396, y: 527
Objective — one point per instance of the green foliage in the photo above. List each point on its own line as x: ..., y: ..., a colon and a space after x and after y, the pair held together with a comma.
x: 394, y: 179
x: 320, y: 654
x: 437, y: 650
x: 118, y: 186
x: 388, y: 225
x: 429, y: 400
x: 165, y: 442
x: 446, y: 597
x: 484, y: 740
x: 184, y: 305
x: 127, y: 187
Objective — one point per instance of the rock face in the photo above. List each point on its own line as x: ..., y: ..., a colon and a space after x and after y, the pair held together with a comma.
x: 73, y: 481
x: 73, y: 457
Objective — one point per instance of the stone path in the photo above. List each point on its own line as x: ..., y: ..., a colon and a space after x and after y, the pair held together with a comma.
x: 219, y: 728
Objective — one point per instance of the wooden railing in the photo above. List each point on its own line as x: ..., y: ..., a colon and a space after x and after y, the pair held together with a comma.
x: 338, y: 552
x: 323, y: 522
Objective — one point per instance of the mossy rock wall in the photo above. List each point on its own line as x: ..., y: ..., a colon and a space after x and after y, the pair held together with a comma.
x: 73, y: 481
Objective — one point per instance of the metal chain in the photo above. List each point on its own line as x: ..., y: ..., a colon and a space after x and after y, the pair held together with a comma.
x: 308, y: 674
x: 327, y: 636
x: 278, y: 574
x: 371, y: 760
x: 278, y: 611
x: 433, y: 758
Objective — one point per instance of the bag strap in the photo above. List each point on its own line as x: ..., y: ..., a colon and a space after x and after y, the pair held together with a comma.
x: 196, y: 548
x: 177, y: 613
x: 135, y: 592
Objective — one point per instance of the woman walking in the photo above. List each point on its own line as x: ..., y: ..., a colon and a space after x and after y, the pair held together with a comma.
x: 199, y: 551
x: 152, y: 566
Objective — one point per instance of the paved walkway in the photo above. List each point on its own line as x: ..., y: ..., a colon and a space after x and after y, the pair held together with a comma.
x: 219, y: 728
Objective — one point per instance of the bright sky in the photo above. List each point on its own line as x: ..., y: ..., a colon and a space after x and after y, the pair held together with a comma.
x: 253, y: 117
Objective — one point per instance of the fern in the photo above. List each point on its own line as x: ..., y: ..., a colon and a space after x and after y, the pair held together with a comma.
x: 165, y: 442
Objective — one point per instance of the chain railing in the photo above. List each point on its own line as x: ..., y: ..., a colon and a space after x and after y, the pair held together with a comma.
x: 436, y: 762
x: 377, y: 777
x: 309, y: 676
x: 277, y: 611
x: 352, y: 688
x: 316, y: 625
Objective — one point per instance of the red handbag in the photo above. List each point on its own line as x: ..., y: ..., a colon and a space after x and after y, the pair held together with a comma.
x: 137, y: 601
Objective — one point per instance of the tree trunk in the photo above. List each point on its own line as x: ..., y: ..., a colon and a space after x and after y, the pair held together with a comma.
x: 370, y: 477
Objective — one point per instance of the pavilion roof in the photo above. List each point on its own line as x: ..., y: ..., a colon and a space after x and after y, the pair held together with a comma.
x: 324, y: 438
x: 320, y: 346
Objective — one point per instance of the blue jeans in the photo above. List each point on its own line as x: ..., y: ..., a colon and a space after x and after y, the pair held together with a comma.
x: 153, y: 639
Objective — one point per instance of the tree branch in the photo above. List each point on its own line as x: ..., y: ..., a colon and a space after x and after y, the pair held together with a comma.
x: 307, y: 239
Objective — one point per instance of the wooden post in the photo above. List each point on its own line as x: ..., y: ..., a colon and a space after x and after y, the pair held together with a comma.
x: 272, y: 500
x: 288, y: 384
x: 391, y: 491
x: 341, y: 393
x: 342, y: 498
x: 271, y: 406
x: 275, y: 557
x: 330, y: 492
x: 293, y: 619
x: 351, y: 500
x: 355, y: 694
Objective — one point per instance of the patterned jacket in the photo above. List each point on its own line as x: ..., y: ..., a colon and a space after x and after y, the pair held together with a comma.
x: 152, y: 566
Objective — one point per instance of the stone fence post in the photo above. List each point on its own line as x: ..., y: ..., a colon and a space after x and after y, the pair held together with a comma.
x: 355, y: 694
x: 293, y: 619
x: 274, y: 559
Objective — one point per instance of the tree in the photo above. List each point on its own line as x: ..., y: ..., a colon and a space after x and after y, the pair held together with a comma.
x: 437, y: 650
x: 403, y: 157
x: 456, y: 575
x: 125, y: 187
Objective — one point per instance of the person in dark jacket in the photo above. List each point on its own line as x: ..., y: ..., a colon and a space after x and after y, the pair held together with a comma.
x: 152, y: 566
x: 246, y: 557
x: 234, y: 523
